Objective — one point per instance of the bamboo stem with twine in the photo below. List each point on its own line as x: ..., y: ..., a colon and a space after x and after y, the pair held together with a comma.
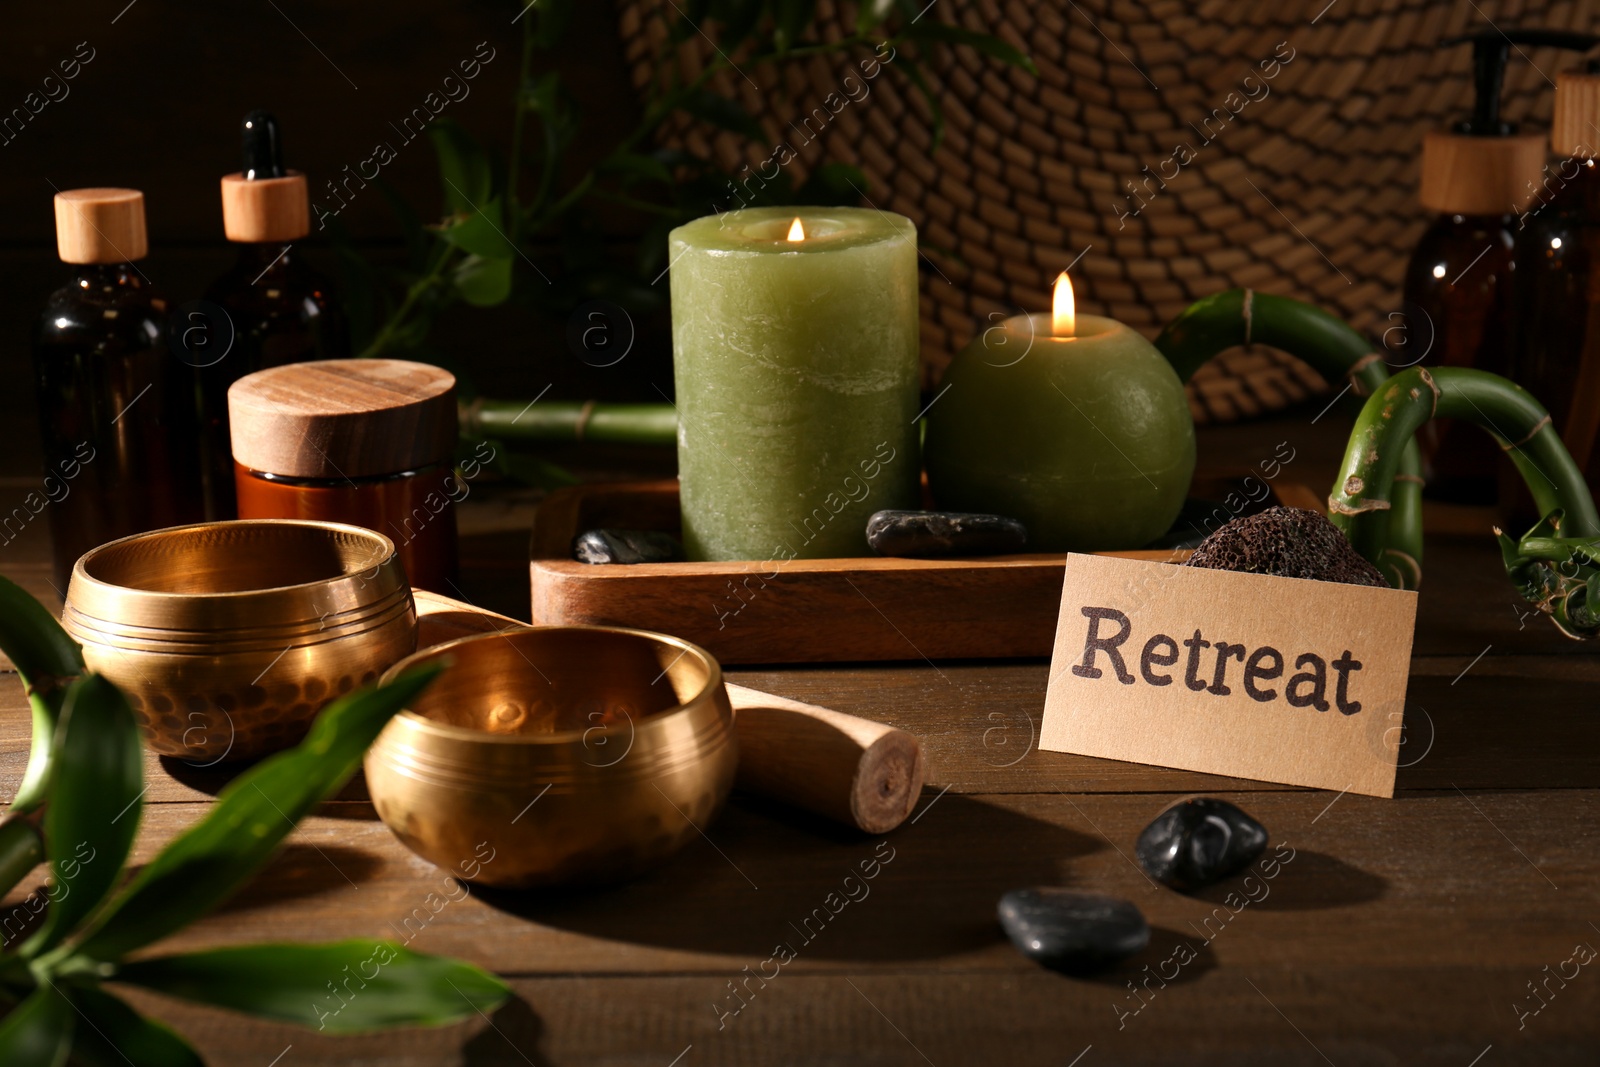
x: 570, y: 420
x: 1556, y: 565
x: 1335, y: 351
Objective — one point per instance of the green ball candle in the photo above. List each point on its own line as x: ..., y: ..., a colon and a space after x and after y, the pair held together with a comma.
x: 1074, y: 424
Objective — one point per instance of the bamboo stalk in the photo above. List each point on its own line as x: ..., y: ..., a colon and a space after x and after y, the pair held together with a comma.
x: 1335, y: 351
x: 1553, y: 565
x: 570, y: 420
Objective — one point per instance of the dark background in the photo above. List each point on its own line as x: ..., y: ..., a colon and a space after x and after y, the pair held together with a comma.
x: 158, y: 109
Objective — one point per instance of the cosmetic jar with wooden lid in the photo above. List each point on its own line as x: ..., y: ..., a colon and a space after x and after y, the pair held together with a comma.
x: 363, y: 441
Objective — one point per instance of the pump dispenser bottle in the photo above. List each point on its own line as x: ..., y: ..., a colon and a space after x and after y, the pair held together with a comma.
x: 1478, y: 177
x: 281, y: 311
x: 114, y: 409
x: 1557, y: 351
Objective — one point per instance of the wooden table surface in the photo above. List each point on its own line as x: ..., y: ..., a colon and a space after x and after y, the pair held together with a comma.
x: 1427, y: 929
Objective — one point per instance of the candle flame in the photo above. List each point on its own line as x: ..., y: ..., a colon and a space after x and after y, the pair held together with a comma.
x: 797, y: 232
x: 1063, y: 316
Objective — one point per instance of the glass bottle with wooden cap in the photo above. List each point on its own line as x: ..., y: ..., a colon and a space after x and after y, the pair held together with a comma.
x: 117, y: 421
x: 1557, y: 351
x: 280, y: 310
x: 1477, y: 176
x: 364, y: 441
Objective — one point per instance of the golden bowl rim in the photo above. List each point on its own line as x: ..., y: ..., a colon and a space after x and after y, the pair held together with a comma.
x: 80, y: 572
x: 422, y: 723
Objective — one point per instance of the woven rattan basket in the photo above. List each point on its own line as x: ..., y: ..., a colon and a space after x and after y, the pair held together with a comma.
x: 1309, y: 190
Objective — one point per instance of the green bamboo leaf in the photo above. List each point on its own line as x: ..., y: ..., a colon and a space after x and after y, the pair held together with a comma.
x: 465, y: 176
x: 871, y: 14
x: 833, y: 185
x: 551, y: 18
x: 790, y: 20
x: 542, y: 94
x: 94, y: 809
x: 346, y: 987
x: 736, y: 20
x: 39, y: 1032
x: 46, y: 658
x: 483, y: 282
x: 723, y: 112
x: 988, y: 44
x: 481, y: 231
x: 635, y: 165
x: 118, y: 1036
x: 252, y: 815
x: 21, y: 850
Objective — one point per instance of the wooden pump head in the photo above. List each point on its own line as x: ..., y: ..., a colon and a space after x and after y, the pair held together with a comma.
x: 1482, y: 165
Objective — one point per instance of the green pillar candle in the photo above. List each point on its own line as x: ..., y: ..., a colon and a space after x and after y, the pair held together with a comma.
x: 795, y: 360
x: 1086, y: 437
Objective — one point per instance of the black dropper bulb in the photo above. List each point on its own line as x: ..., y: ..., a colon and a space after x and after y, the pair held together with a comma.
x: 263, y: 146
x: 1490, y: 51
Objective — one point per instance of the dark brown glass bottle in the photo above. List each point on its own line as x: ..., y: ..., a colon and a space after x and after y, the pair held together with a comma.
x: 1478, y: 176
x: 278, y: 310
x: 1557, y: 352
x: 281, y: 312
x: 1458, y: 295
x: 116, y: 419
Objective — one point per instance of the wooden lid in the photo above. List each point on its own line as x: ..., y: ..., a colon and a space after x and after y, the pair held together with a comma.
x: 1573, y: 127
x: 1466, y: 175
x: 263, y: 210
x: 100, y: 226
x: 343, y: 418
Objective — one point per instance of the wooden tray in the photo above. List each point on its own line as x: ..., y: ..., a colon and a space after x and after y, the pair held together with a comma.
x: 811, y: 611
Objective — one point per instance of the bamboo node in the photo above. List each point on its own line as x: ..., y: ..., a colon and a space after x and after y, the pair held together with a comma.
x: 1360, y: 365
x: 1410, y: 564
x: 583, y: 420
x: 45, y: 684
x: 471, y: 415
x: 1427, y: 379
x: 1339, y: 507
x: 1537, y: 428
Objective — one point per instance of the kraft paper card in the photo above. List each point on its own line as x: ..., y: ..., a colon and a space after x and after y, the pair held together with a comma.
x: 1278, y: 679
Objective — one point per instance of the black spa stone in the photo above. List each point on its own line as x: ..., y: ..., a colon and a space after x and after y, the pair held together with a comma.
x: 936, y: 534
x: 1071, y: 931
x: 626, y: 546
x: 1197, y: 842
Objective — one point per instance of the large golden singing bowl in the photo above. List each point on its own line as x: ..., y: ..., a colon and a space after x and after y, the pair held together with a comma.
x: 555, y: 755
x: 229, y: 637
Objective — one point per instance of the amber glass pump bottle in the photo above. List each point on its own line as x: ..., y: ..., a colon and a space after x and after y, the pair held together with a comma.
x: 1478, y: 177
x: 279, y: 310
x: 117, y: 424
x: 1557, y: 354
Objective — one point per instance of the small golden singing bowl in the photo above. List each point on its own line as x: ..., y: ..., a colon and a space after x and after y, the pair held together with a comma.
x: 555, y: 755
x: 229, y: 637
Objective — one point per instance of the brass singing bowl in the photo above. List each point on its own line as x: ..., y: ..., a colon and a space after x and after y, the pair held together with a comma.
x: 563, y: 754
x: 229, y: 637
